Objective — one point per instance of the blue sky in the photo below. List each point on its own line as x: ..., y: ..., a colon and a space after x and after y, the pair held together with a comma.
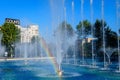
x: 44, y: 13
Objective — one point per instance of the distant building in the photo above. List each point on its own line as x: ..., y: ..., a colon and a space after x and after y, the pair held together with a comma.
x: 28, y: 33
x: 10, y: 20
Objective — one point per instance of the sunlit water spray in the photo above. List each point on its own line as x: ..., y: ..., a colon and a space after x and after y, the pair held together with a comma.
x: 104, y: 46
x: 82, y: 37
x: 74, y: 48
x: 118, y: 32
x: 2, y: 48
x: 91, y: 8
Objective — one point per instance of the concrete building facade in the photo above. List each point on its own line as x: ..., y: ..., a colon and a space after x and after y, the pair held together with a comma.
x: 27, y: 33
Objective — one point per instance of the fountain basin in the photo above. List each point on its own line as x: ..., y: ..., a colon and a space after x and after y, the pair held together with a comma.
x: 44, y: 70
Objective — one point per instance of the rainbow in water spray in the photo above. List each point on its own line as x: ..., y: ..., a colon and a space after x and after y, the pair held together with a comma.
x: 49, y: 53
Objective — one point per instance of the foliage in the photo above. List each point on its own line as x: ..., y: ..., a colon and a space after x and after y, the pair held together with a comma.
x: 85, y: 30
x: 110, y: 36
x: 98, y: 33
x: 87, y: 50
x: 65, y: 30
x: 11, y: 34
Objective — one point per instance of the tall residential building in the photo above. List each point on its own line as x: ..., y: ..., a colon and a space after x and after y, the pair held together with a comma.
x: 28, y: 33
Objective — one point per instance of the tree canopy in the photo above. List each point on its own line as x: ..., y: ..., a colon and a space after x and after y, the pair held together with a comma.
x: 65, y: 30
x: 85, y: 30
x: 11, y: 34
x: 110, y: 36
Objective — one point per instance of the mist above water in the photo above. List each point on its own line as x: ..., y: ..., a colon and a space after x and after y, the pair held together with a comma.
x: 2, y: 48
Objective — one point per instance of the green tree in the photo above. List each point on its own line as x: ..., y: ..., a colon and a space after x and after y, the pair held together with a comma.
x: 98, y: 33
x: 87, y: 50
x: 110, y: 37
x: 64, y: 34
x: 85, y: 30
x: 11, y: 35
x: 0, y: 34
x: 65, y: 30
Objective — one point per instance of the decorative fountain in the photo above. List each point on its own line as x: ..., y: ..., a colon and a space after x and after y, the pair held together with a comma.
x: 109, y: 52
x: 53, y: 67
x: 104, y: 46
x: 2, y: 49
x: 74, y: 48
x: 92, y: 34
x: 118, y: 32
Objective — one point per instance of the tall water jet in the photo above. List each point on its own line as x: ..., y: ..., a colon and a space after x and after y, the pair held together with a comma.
x: 91, y: 9
x: 104, y: 51
x: 65, y: 43
x: 82, y: 37
x: 58, y: 53
x: 118, y: 32
x: 63, y: 36
x: 1, y: 34
x: 25, y: 47
x: 74, y: 49
x: 58, y: 37
x: 35, y: 45
x: 2, y: 49
x: 59, y: 50
x: 41, y: 50
x: 109, y: 52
